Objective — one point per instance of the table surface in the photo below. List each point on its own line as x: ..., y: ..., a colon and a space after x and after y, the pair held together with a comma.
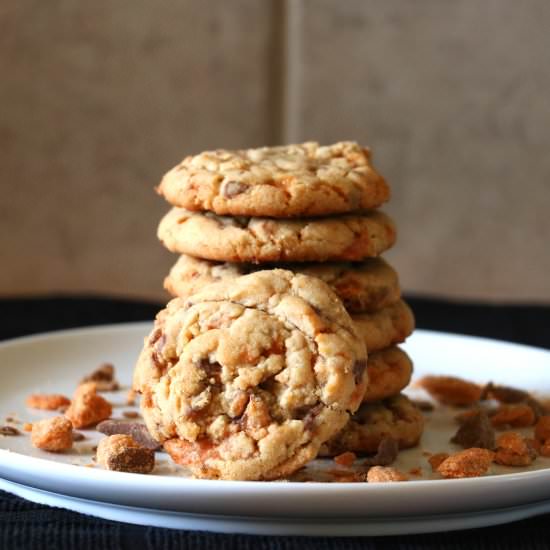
x: 25, y: 525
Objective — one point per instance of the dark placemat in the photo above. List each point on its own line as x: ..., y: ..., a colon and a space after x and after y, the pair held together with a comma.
x: 25, y: 525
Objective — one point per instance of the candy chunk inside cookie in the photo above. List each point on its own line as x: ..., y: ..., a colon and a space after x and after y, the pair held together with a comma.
x: 247, y: 379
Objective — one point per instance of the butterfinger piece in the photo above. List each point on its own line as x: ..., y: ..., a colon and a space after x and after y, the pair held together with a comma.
x: 345, y: 459
x: 9, y: 430
x: 136, y: 430
x: 87, y: 408
x: 472, y: 462
x: 122, y: 454
x: 104, y: 377
x: 513, y: 450
x: 52, y: 434
x: 47, y: 402
x: 450, y: 390
x: 436, y: 460
x: 385, y: 474
x: 475, y: 431
x: 515, y: 416
x: 503, y: 394
x: 388, y: 450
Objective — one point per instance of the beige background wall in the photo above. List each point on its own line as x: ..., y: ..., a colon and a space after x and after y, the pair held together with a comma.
x: 98, y: 99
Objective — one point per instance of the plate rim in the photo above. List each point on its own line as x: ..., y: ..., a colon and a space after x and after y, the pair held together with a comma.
x: 249, y: 489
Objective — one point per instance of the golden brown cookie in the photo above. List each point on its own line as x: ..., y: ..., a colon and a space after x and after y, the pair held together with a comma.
x: 385, y: 327
x: 255, y: 240
x: 246, y: 379
x: 362, y: 286
x: 389, y: 371
x: 397, y: 418
x: 279, y: 182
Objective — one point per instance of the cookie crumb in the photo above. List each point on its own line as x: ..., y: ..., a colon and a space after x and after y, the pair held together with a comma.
x: 345, y: 459
x: 130, y: 414
x: 450, y: 390
x: 417, y: 472
x: 472, y: 462
x: 384, y: 474
x: 104, y: 377
x: 387, y: 452
x: 52, y: 434
x: 87, y: 408
x: 345, y: 476
x: 475, y: 431
x: 436, y: 459
x: 122, y: 453
x: 514, y: 450
x: 27, y: 427
x: 47, y: 401
x: 513, y: 416
x: 9, y: 430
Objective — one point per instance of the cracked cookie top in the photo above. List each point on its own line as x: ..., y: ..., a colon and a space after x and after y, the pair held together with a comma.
x: 362, y: 286
x: 246, y: 379
x: 235, y: 239
x: 287, y: 181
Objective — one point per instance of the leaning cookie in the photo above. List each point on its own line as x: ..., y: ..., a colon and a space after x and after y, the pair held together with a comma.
x: 247, y: 379
x: 389, y: 371
x: 362, y: 286
x: 255, y: 240
x: 385, y: 327
x: 397, y: 418
x: 279, y: 182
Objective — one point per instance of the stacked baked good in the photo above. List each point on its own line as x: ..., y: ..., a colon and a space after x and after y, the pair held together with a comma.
x: 311, y: 210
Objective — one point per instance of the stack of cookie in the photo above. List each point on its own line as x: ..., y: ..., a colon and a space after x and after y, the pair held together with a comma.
x: 313, y: 210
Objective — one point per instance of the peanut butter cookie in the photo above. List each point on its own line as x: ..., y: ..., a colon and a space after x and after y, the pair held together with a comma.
x: 385, y: 327
x: 279, y: 182
x: 362, y: 286
x: 389, y: 371
x: 348, y: 237
x: 397, y: 418
x: 246, y: 379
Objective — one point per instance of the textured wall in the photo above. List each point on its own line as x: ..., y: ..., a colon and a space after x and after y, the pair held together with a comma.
x: 100, y: 98
x: 454, y: 99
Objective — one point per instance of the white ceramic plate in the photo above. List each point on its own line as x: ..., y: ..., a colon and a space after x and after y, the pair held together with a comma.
x: 56, y: 362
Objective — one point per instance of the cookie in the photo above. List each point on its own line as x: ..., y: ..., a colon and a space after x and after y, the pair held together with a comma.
x: 255, y: 240
x: 246, y: 379
x: 396, y: 417
x: 363, y: 286
x: 280, y: 182
x: 385, y: 327
x: 389, y: 371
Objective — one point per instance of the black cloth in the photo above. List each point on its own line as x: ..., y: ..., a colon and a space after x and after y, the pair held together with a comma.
x: 25, y: 525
